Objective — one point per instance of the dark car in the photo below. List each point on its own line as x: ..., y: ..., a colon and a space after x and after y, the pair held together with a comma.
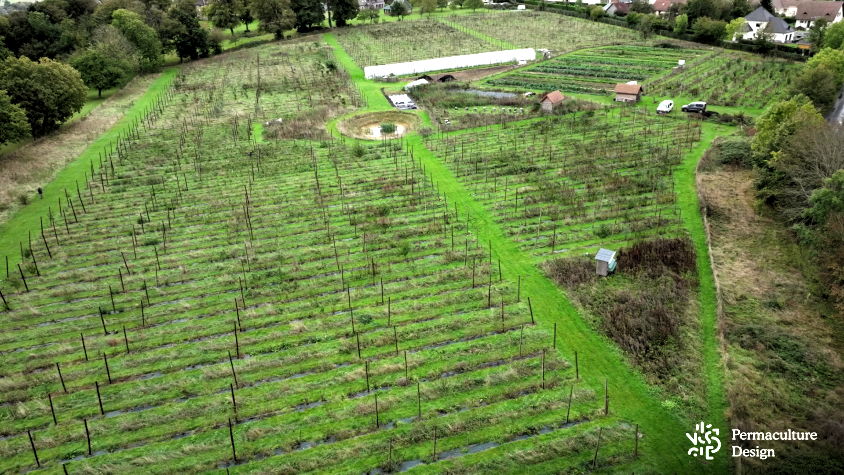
x: 699, y: 107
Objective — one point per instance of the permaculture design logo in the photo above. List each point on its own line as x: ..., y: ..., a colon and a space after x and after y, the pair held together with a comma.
x: 704, y: 440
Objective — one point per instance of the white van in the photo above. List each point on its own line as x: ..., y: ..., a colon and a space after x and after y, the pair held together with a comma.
x: 665, y: 107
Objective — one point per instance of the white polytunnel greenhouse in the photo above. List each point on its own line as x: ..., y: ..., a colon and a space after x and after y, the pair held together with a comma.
x: 450, y: 62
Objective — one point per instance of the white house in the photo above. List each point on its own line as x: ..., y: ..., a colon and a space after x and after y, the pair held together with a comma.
x: 810, y: 12
x: 621, y: 7
x: 762, y: 21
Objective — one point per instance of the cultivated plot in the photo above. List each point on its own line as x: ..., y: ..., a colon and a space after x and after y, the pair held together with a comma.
x: 408, y: 41
x: 204, y: 301
x: 598, y: 70
x: 558, y: 33
x: 569, y: 184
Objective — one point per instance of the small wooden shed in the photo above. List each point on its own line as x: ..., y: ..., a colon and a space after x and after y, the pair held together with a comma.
x: 626, y: 92
x: 605, y: 262
x: 551, y: 100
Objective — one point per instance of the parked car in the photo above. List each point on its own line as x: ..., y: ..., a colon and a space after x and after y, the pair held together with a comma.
x: 699, y: 107
x: 665, y: 107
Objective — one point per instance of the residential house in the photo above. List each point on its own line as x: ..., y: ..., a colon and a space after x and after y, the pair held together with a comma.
x: 628, y: 92
x: 664, y: 7
x: 761, y: 22
x: 810, y: 12
x: 371, y: 4
x: 551, y: 100
x: 786, y: 8
x: 618, y: 7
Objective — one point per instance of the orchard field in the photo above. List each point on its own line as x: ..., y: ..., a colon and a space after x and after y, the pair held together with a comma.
x: 234, y: 286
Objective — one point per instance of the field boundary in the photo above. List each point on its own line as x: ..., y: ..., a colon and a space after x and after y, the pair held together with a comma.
x: 28, y: 218
x: 685, y: 177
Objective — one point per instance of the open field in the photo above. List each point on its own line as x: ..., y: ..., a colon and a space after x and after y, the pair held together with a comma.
x: 407, y: 41
x: 531, y: 29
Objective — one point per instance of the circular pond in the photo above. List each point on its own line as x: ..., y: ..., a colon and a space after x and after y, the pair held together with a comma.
x: 379, y: 125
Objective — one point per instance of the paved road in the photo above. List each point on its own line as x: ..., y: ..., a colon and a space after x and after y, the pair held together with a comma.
x: 837, y: 114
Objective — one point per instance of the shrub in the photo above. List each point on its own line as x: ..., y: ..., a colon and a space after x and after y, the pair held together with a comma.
x: 388, y: 128
x: 734, y: 151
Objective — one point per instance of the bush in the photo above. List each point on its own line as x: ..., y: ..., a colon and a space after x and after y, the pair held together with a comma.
x: 734, y: 151
x: 388, y: 128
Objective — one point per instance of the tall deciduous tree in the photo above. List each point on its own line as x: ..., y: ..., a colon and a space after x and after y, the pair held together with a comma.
x: 341, y: 11
x: 275, y: 16
x: 224, y: 14
x: 48, y: 91
x: 99, y: 70
x: 427, y: 6
x: 141, y: 35
x: 473, y: 4
x: 399, y: 8
x: 184, y: 32
x: 13, y: 124
x: 309, y: 13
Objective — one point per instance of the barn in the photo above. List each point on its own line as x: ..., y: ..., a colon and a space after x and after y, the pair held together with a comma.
x: 628, y: 92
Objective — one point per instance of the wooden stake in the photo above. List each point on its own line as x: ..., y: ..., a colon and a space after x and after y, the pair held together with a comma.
x: 568, y: 411
x: 636, y: 443
x: 405, y: 365
x: 576, y: 368
x: 23, y: 278
x: 59, y: 369
x: 236, y: 341
x: 34, y: 452
x: 357, y: 339
x: 108, y: 372
x: 231, y: 363
x: 418, y: 400
x: 84, y: 349
x: 234, y: 401
x: 102, y: 320
x: 396, y: 339
x: 52, y: 409
x: 543, y: 368
x: 87, y: 435
x: 99, y: 398
x: 606, y: 397
x: 597, y: 447
x: 555, y: 334
x: 377, y: 418
x: 5, y: 304
x: 530, y: 307
x: 231, y: 438
x: 125, y: 339
x: 366, y: 372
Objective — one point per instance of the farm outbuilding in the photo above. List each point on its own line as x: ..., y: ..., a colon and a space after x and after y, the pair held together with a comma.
x: 628, y: 92
x: 551, y: 100
x: 605, y: 262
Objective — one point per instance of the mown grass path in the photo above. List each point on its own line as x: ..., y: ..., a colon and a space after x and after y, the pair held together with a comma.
x: 664, y: 446
x: 28, y: 219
